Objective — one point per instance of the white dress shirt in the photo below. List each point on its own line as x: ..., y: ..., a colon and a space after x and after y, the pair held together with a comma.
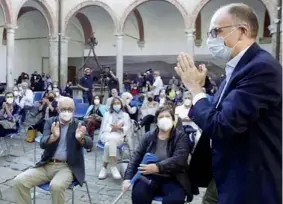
x: 27, y: 98
x: 230, y: 66
x: 158, y: 84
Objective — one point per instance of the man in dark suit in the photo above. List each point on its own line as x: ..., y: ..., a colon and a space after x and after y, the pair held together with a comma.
x: 245, y: 122
x: 62, y: 161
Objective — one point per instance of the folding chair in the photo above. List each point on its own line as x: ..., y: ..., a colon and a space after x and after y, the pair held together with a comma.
x: 37, y: 96
x: 80, y: 110
x: 78, y: 100
x: 46, y: 187
x: 11, y: 135
x: 100, y: 145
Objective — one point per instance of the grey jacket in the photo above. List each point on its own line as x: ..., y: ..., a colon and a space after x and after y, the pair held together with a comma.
x: 75, y: 156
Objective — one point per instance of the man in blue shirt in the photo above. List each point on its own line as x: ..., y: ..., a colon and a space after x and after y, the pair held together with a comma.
x: 86, y: 85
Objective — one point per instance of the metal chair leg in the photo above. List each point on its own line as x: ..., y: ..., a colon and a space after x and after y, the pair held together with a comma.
x: 88, y: 192
x: 95, y: 157
x: 22, y: 141
x: 73, y: 196
x: 34, y: 196
x: 34, y: 152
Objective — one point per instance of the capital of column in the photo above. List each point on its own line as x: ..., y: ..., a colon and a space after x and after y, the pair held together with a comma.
x: 119, y: 35
x: 190, y: 32
x: 11, y: 28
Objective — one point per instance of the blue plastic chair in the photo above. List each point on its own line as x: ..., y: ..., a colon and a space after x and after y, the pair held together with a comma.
x: 78, y: 100
x: 80, y: 110
x: 37, y: 96
x: 17, y: 132
x: 100, y: 145
x: 46, y: 187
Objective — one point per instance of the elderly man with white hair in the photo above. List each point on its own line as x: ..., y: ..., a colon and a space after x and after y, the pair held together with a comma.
x: 26, y: 99
x: 62, y: 161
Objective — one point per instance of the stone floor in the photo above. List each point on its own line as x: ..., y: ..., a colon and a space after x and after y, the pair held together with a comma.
x: 102, y: 191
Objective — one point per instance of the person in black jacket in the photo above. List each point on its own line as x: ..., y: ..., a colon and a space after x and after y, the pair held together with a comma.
x: 168, y: 176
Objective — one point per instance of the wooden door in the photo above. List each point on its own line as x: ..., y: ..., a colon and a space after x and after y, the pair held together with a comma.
x: 72, y: 74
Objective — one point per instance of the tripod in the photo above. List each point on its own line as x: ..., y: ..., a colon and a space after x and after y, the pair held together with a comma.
x: 92, y: 43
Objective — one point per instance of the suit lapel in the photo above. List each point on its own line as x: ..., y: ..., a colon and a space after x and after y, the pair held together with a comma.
x: 250, y: 53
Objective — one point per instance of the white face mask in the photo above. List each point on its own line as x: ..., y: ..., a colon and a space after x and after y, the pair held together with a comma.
x: 165, y: 124
x: 49, y: 88
x: 57, y: 94
x: 218, y: 48
x: 16, y: 93
x: 66, y: 116
x: 9, y: 100
x: 20, y: 88
x: 96, y: 101
x: 128, y: 101
x: 117, y: 108
x: 187, y: 102
x: 55, y: 86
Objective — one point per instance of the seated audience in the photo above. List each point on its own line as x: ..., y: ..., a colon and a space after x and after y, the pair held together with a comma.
x: 48, y: 108
x: 16, y: 93
x: 115, y: 126
x: 57, y: 94
x: 114, y: 93
x: 162, y: 97
x: 148, y: 110
x: 135, y: 91
x: 94, y: 116
x: 62, y: 161
x: 178, y: 121
x: 68, y: 90
x: 9, y: 115
x: 130, y: 109
x: 168, y: 176
x: 26, y: 101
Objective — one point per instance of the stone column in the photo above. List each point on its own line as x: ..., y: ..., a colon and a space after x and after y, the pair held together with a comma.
x: 10, y: 55
x: 53, y: 58
x: 190, y: 40
x: 273, y: 31
x: 64, y: 61
x: 119, y: 59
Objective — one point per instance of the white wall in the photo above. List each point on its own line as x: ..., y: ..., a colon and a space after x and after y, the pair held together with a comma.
x: 29, y: 53
x: 210, y: 8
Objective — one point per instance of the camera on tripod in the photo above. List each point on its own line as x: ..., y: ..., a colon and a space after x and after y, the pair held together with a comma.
x: 93, y: 41
x: 105, y: 72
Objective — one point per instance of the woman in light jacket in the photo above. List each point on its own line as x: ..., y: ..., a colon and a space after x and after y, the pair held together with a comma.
x: 115, y: 126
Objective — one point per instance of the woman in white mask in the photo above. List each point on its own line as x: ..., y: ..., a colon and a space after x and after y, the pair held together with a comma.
x: 115, y: 125
x: 57, y: 94
x: 94, y: 116
x: 182, y: 112
x: 168, y: 175
x: 9, y: 115
x: 17, y: 95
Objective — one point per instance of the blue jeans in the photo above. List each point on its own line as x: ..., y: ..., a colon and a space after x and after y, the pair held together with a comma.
x: 169, y: 189
x: 87, y: 97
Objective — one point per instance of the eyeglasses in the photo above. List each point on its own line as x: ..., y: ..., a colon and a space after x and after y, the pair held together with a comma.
x: 67, y: 110
x: 215, y: 31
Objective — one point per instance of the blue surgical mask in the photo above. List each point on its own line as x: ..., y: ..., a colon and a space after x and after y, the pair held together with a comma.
x: 117, y: 108
x: 218, y: 48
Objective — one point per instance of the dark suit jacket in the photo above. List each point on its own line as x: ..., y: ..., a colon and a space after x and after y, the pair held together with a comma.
x: 75, y: 156
x: 246, y: 131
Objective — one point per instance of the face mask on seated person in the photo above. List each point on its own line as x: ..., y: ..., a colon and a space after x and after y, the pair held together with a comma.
x: 50, y: 98
x: 117, y: 108
x: 165, y: 124
x: 9, y: 100
x: 16, y: 93
x: 96, y: 102
x: 150, y: 99
x: 66, y: 116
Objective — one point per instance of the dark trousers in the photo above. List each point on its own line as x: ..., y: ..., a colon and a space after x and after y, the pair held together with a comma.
x: 170, y: 190
x: 87, y: 97
x: 146, y: 122
x: 210, y: 196
x: 39, y: 125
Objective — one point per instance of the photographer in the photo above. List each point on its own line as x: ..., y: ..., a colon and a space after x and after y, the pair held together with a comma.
x: 112, y: 80
x: 86, y: 85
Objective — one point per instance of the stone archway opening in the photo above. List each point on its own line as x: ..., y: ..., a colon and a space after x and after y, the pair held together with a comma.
x: 151, y: 38
x: 86, y: 20
x: 34, y: 27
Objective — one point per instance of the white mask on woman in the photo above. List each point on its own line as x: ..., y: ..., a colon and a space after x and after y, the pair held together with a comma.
x: 96, y: 102
x: 66, y: 116
x: 10, y: 100
x: 165, y: 124
x: 16, y: 93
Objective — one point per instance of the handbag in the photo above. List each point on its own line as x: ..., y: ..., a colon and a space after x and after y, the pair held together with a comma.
x: 31, y: 135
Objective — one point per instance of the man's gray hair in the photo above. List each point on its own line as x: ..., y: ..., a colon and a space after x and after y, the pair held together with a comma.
x: 244, y: 15
x: 187, y: 94
x: 64, y: 99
